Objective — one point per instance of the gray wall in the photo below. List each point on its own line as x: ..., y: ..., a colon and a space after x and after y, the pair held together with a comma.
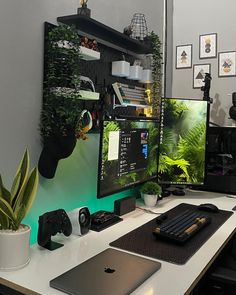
x: 194, y: 18
x: 21, y: 74
x: 21, y: 63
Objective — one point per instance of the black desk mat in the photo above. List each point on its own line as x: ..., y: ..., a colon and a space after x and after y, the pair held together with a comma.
x: 143, y: 242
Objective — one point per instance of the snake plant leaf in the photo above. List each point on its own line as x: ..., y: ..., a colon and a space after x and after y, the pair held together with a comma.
x: 20, y: 214
x: 4, y: 193
x: 15, y: 185
x: 26, y: 197
x: 4, y: 221
x: 6, y: 209
x: 23, y: 168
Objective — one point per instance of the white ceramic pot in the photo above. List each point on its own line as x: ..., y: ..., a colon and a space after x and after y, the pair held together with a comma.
x: 14, y: 248
x: 150, y: 200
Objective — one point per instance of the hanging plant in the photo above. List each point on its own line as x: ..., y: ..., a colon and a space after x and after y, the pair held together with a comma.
x: 61, y: 116
x: 156, y: 73
x: 61, y: 106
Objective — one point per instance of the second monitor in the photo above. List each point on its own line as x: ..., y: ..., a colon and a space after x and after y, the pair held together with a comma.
x: 183, y: 134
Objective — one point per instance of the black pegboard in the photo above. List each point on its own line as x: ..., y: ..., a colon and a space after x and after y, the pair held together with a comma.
x: 99, y: 71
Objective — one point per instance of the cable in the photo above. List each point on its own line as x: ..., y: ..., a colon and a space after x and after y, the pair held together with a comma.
x: 148, y: 211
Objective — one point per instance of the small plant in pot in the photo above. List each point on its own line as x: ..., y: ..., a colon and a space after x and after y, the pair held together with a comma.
x: 150, y: 191
x: 14, y: 205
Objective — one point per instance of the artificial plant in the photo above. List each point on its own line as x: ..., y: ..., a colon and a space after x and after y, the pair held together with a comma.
x: 151, y: 188
x: 61, y: 118
x: 61, y: 107
x: 16, y: 203
x: 156, y: 73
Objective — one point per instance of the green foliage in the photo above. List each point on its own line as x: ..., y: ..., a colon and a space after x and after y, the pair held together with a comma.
x: 131, y: 177
x: 156, y: 73
x: 184, y: 159
x: 174, y: 110
x: 15, y: 204
x: 61, y: 106
x: 152, y: 158
x: 192, y: 148
x: 151, y: 188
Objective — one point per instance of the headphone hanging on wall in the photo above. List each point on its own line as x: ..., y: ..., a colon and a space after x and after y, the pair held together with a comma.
x: 232, y: 110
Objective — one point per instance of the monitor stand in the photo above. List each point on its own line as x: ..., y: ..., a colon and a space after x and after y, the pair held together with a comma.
x: 178, y: 191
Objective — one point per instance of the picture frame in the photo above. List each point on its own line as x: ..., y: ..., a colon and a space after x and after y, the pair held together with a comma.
x: 199, y: 71
x: 208, y: 46
x: 183, y: 56
x: 227, y: 64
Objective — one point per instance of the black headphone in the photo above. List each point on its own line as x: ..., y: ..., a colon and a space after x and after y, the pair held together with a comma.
x: 232, y: 110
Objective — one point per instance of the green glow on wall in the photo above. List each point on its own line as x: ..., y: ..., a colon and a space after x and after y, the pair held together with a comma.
x: 73, y: 186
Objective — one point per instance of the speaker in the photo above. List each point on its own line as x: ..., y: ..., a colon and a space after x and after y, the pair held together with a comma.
x: 124, y: 205
x: 80, y: 220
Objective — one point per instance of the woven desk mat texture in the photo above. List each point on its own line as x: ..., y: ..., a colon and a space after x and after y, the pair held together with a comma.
x: 142, y: 241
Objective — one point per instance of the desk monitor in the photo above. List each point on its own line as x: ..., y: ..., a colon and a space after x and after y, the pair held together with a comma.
x: 183, y: 141
x: 128, y: 154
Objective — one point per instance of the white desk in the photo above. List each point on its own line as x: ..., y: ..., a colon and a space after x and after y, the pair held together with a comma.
x: 170, y: 279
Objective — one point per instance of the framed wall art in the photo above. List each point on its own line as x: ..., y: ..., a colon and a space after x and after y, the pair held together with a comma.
x: 227, y: 64
x: 199, y: 71
x: 184, y: 56
x: 208, y: 45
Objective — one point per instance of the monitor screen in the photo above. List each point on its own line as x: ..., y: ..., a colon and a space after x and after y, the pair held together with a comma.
x: 128, y: 154
x: 183, y: 128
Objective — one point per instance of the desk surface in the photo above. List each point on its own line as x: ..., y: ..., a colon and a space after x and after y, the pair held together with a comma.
x: 170, y: 279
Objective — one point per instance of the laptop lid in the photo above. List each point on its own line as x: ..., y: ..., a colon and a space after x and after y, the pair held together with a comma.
x: 107, y: 271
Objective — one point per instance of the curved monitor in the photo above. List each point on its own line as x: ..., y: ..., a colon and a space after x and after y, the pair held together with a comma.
x: 128, y: 154
x: 183, y: 131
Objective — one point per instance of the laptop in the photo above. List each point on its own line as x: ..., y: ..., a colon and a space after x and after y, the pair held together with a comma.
x: 109, y: 272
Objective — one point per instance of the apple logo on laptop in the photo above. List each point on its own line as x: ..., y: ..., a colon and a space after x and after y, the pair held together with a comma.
x: 109, y: 270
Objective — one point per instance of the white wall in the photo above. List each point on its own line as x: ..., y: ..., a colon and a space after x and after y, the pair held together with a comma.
x: 193, y: 18
x: 21, y: 64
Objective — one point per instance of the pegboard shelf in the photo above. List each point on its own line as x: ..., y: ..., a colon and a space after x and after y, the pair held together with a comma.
x: 104, y: 34
x: 89, y: 54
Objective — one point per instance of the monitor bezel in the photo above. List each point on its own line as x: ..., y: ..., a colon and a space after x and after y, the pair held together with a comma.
x: 184, y: 184
x: 133, y: 185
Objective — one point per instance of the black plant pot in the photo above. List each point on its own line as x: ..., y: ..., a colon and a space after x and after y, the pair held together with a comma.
x: 56, y: 147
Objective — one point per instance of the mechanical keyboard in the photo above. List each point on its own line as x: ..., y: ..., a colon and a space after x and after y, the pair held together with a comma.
x: 183, y: 226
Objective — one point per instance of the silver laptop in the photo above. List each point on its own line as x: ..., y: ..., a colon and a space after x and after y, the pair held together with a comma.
x: 109, y: 272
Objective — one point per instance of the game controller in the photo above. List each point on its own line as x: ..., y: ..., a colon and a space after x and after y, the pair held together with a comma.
x: 51, y: 223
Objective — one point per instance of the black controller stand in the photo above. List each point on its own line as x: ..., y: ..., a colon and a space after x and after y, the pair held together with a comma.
x: 52, y: 245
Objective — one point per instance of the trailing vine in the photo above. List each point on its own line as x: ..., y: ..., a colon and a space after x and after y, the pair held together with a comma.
x: 61, y: 107
x: 156, y: 73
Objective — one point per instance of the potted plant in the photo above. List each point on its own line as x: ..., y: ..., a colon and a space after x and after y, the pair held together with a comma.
x: 150, y: 191
x: 61, y: 112
x: 14, y: 205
